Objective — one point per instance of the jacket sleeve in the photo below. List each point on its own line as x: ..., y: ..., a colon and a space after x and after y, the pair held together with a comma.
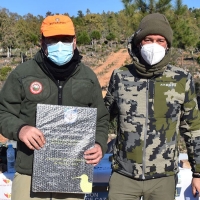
x: 109, y: 99
x: 102, y: 117
x: 190, y: 125
x: 10, y: 102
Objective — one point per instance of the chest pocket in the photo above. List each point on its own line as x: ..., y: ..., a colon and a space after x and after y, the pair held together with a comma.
x: 36, y: 89
x: 169, y: 97
x: 82, y: 90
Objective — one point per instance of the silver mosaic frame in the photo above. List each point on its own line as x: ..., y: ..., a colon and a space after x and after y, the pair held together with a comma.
x: 59, y: 166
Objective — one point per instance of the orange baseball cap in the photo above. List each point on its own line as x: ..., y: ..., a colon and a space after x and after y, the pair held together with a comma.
x: 57, y: 25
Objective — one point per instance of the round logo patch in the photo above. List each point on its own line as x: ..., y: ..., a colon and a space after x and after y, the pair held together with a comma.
x: 70, y: 115
x: 36, y: 87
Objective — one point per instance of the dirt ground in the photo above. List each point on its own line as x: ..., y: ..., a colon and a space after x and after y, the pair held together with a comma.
x: 114, y: 61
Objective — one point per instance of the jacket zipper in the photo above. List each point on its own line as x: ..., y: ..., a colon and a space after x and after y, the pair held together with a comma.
x: 145, y: 131
x: 57, y: 82
x: 59, y: 93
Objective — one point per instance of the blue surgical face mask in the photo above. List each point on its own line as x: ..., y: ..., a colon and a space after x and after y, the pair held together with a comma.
x: 60, y: 53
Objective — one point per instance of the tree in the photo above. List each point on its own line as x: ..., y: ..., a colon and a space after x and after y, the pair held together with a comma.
x: 163, y: 6
x: 83, y: 38
x: 48, y: 14
x: 132, y: 17
x: 142, y: 5
x: 110, y: 36
x: 184, y: 26
x: 153, y: 6
x: 7, y: 29
x: 93, y: 22
x: 125, y: 30
x: 196, y: 14
x: 128, y: 5
x: 88, y: 11
x: 28, y: 32
x: 80, y: 14
x: 95, y: 35
x: 179, y: 8
x: 67, y: 14
x: 113, y: 26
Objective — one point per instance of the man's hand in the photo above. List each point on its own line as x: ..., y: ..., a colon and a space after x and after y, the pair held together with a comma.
x: 195, y: 186
x: 93, y: 155
x: 32, y: 137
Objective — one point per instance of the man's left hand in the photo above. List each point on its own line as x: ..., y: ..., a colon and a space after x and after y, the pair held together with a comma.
x: 195, y: 186
x: 93, y: 155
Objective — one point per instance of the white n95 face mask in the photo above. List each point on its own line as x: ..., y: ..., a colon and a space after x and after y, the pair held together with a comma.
x: 152, y: 53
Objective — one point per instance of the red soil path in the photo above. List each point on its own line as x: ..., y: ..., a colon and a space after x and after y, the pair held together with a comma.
x: 114, y: 61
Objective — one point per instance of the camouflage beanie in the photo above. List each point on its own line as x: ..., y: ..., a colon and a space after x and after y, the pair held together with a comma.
x: 154, y: 24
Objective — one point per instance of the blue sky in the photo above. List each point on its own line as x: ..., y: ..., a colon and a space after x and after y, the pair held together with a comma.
x: 40, y: 7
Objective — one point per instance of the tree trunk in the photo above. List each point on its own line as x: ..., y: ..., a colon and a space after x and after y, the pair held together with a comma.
x: 31, y: 52
x: 10, y: 51
x: 8, y: 55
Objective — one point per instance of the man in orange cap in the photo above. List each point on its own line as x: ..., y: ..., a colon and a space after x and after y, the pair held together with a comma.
x: 55, y: 76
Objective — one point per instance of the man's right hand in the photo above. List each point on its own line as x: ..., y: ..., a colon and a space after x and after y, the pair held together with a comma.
x: 32, y: 137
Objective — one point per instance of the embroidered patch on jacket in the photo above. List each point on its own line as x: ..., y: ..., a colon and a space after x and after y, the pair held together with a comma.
x: 170, y: 85
x: 36, y: 87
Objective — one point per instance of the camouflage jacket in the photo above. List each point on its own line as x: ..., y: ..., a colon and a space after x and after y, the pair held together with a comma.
x: 148, y: 113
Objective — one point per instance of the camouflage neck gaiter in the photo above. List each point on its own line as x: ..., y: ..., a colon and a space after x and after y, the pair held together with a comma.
x: 148, y: 71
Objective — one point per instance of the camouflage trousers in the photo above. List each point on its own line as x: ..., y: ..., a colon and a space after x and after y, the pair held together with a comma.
x: 124, y: 188
x: 21, y: 190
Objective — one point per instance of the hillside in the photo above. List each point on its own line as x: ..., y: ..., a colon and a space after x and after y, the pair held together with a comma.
x: 114, y: 60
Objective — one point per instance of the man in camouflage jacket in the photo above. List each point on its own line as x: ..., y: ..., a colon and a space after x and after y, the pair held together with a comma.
x: 151, y: 100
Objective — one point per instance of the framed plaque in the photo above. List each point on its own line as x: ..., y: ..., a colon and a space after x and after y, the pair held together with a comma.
x: 60, y: 166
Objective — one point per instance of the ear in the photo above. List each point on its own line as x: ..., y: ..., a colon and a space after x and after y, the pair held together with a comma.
x: 74, y: 41
x: 43, y: 46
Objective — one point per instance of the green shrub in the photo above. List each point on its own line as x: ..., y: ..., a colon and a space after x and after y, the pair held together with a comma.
x: 95, y: 35
x: 4, y: 71
x: 83, y: 38
x: 110, y: 36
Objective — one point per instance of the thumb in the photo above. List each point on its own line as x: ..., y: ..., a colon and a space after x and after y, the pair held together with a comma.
x: 194, y: 191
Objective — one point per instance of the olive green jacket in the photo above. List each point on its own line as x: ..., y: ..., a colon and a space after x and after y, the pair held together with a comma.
x: 30, y: 84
